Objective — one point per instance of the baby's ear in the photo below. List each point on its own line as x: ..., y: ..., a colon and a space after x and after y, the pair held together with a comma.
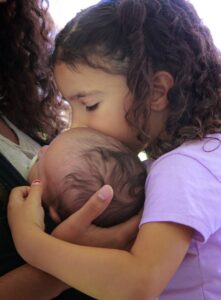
x: 162, y: 83
x: 54, y: 215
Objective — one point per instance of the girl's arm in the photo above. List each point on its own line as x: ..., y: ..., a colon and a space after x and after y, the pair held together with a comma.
x: 78, y: 228
x: 140, y: 274
x: 27, y: 283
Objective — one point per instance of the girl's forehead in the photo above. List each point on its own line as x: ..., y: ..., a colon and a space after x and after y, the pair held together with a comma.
x: 65, y: 71
x: 85, y: 79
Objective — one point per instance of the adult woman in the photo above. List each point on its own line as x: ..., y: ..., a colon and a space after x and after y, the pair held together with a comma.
x: 23, y: 72
x: 29, y: 112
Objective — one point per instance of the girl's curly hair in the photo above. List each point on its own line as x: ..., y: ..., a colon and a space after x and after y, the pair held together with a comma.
x: 28, y: 97
x: 139, y: 37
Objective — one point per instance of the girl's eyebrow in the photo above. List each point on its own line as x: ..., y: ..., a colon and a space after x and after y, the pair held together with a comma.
x: 84, y: 94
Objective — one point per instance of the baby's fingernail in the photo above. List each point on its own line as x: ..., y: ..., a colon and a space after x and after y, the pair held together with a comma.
x: 36, y: 182
x: 105, y: 193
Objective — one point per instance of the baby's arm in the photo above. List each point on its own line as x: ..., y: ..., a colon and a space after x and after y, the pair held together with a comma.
x: 102, y: 273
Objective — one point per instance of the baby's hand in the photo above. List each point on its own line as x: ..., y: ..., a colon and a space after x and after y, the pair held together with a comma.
x: 25, y: 212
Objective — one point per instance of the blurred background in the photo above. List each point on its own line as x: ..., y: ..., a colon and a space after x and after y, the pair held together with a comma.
x: 209, y: 10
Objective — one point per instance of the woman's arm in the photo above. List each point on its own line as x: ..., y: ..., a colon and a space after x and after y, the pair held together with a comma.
x: 28, y: 283
x: 140, y: 274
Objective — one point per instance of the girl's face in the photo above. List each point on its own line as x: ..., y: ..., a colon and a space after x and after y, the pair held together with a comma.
x: 99, y: 100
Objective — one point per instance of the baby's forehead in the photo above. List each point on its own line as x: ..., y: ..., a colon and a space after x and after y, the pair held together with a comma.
x: 65, y: 140
x: 83, y: 134
x: 78, y: 138
x: 69, y: 146
x: 80, y: 141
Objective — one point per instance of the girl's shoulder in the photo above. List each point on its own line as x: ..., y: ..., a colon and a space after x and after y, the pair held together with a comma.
x: 204, y: 153
x: 183, y: 186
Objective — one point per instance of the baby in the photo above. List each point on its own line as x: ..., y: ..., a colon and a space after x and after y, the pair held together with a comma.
x: 80, y: 161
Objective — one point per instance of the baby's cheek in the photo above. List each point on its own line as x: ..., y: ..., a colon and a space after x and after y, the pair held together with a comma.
x: 33, y: 173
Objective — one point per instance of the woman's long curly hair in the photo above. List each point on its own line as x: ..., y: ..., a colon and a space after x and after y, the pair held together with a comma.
x: 28, y: 97
x: 139, y: 37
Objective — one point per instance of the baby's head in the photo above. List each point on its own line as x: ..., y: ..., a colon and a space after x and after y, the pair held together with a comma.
x: 77, y: 163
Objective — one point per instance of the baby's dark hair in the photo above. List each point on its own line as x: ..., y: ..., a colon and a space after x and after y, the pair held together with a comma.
x: 27, y: 92
x: 103, y: 160
x: 137, y: 38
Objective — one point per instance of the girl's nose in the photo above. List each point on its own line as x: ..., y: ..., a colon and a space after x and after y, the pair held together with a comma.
x: 78, y: 115
x: 77, y: 125
x: 78, y: 122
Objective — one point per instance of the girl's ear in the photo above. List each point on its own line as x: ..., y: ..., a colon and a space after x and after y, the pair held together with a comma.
x: 162, y: 83
x: 54, y: 215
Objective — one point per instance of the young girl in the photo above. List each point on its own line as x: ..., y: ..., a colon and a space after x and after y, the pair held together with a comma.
x: 145, y: 72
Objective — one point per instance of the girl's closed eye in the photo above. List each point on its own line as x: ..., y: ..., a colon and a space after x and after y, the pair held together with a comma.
x: 92, y: 107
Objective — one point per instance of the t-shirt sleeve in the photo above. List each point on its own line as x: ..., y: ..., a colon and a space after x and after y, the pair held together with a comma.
x: 180, y: 189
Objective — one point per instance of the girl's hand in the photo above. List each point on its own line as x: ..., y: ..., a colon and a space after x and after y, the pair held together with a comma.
x: 78, y: 228
x: 25, y: 211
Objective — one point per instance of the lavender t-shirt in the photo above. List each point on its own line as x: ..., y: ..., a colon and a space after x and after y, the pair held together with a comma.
x: 184, y: 186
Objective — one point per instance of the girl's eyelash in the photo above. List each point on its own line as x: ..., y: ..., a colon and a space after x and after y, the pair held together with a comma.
x: 92, y: 107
